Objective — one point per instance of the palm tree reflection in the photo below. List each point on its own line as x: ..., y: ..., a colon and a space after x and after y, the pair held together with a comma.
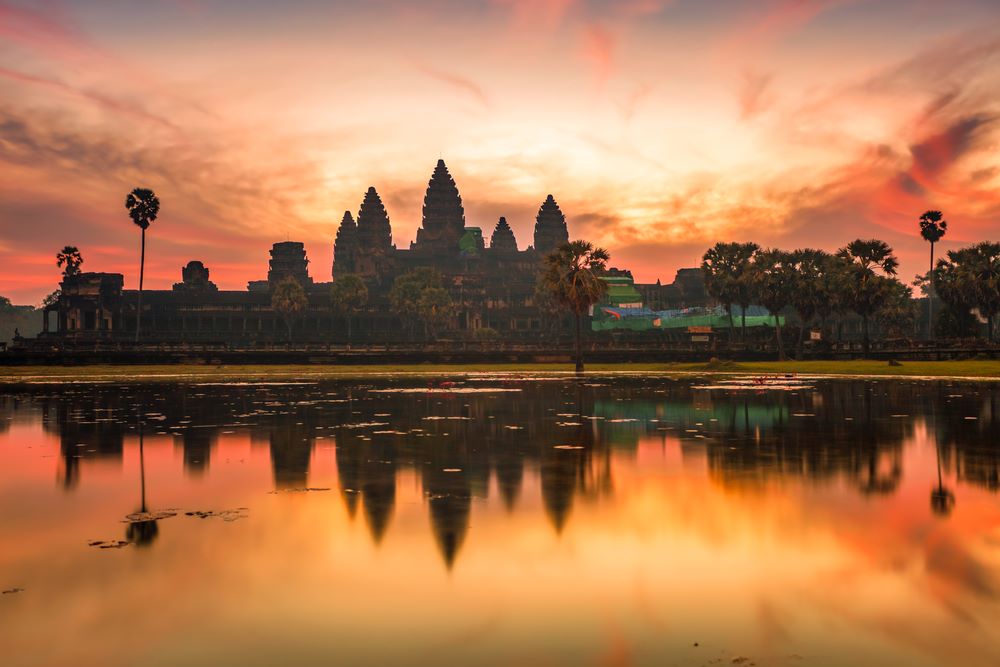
x: 142, y: 533
x: 942, y: 499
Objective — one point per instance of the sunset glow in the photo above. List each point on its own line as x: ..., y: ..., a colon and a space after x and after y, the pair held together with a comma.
x: 659, y: 126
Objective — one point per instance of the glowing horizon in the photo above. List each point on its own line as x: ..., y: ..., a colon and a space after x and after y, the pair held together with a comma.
x: 659, y: 126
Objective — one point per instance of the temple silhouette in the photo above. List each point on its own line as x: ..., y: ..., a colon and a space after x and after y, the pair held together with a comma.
x: 492, y: 287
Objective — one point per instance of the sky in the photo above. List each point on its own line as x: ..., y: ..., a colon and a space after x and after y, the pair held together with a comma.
x: 660, y: 126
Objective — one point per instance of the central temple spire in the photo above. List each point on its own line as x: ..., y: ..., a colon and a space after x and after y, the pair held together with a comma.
x: 374, y: 236
x: 550, y: 227
x: 345, y: 247
x: 443, y: 221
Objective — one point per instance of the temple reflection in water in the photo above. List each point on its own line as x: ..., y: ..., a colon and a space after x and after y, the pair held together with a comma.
x: 559, y: 434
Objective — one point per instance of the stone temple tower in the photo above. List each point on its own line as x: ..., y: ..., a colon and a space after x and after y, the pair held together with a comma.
x: 550, y: 227
x: 345, y: 247
x: 443, y: 221
x: 502, y: 240
x: 374, y: 236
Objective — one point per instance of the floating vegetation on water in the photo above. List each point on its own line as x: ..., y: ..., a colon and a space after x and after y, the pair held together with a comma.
x: 751, y: 387
x: 225, y: 515
x: 443, y: 390
x: 142, y: 517
x: 298, y: 489
x: 109, y: 544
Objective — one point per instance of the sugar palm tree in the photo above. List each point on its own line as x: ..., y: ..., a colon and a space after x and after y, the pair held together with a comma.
x: 143, y: 207
x: 865, y: 284
x: 726, y: 267
x: 72, y: 259
x: 289, y: 300
x: 570, y: 274
x: 348, y: 295
x: 773, y: 280
x: 812, y: 295
x: 970, y: 278
x: 932, y: 229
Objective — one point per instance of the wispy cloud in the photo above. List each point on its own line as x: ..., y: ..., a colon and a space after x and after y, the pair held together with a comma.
x: 457, y: 82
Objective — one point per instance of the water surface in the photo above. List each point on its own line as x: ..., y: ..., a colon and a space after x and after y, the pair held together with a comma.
x: 500, y: 520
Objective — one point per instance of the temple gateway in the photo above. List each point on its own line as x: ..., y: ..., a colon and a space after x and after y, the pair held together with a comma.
x: 492, y: 287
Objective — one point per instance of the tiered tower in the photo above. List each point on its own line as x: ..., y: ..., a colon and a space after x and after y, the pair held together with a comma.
x: 345, y: 247
x: 374, y: 236
x: 288, y: 258
x: 550, y: 227
x: 443, y: 221
x: 502, y: 240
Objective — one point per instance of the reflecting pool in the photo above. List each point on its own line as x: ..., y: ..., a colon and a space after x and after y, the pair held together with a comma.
x: 500, y: 520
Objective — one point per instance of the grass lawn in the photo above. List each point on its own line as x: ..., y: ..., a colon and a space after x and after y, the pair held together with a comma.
x: 20, y: 374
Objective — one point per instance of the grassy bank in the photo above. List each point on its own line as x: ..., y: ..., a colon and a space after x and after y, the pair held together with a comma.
x: 17, y: 375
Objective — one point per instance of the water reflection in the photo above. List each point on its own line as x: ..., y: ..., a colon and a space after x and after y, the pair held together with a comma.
x: 675, y: 512
x: 457, y: 442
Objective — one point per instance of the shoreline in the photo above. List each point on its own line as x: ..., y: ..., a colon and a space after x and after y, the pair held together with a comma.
x: 979, y: 370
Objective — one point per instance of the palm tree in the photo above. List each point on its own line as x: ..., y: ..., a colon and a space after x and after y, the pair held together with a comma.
x: 143, y: 207
x: 865, y: 284
x: 773, y: 277
x: 932, y: 228
x: 811, y: 295
x: 404, y: 296
x: 70, y: 257
x: 348, y: 296
x: 970, y: 278
x: 289, y: 300
x: 435, y: 309
x: 726, y: 267
x: 570, y: 274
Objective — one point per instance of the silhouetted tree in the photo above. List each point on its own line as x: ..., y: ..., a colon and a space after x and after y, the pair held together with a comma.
x: 970, y: 278
x: 773, y: 280
x: 407, y: 290
x: 71, y: 258
x: 289, y: 300
x: 349, y: 296
x: 571, y: 274
x: 434, y: 309
x: 726, y: 269
x: 143, y: 207
x: 865, y: 284
x: 813, y: 294
x: 932, y: 229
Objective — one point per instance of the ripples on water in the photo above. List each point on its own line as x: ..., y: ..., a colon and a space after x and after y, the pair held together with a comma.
x: 500, y: 520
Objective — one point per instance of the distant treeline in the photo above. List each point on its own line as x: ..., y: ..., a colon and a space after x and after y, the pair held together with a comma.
x: 858, y: 279
x: 26, y: 320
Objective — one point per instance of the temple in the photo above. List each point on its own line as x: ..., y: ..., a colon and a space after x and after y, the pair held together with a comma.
x: 491, y: 287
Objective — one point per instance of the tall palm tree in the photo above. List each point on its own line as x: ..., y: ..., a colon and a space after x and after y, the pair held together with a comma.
x: 865, y: 282
x: 289, y: 300
x: 773, y: 280
x: 143, y: 207
x: 932, y: 228
x: 970, y: 278
x: 570, y: 274
x: 70, y: 257
x: 726, y: 267
x: 348, y: 295
x: 812, y: 295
